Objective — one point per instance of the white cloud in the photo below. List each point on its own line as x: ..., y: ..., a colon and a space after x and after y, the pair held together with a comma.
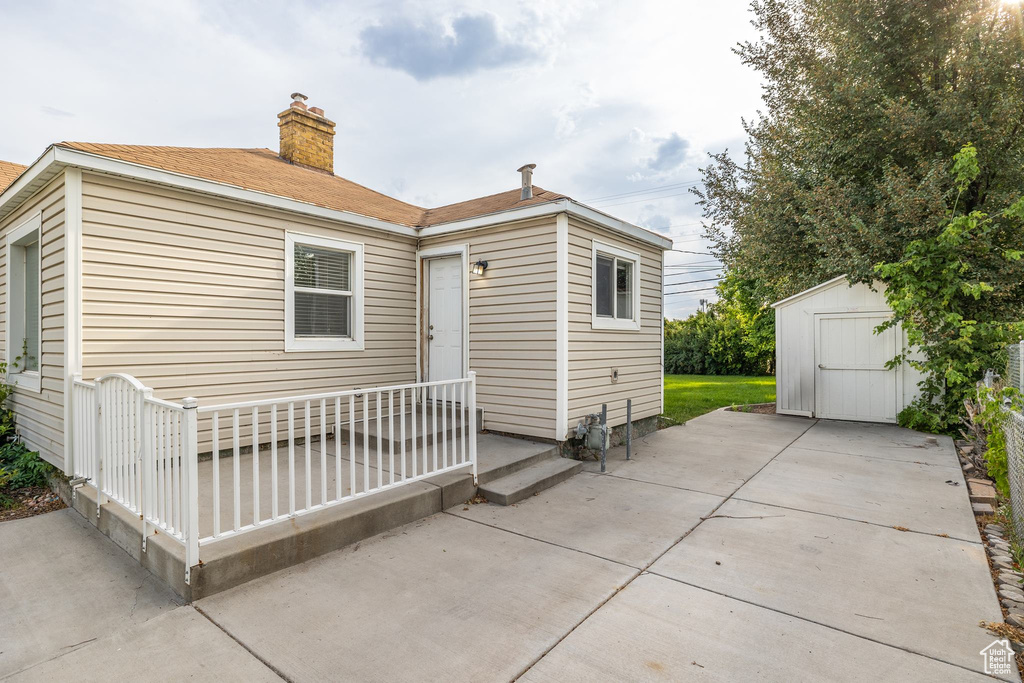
x: 591, y: 91
x: 467, y: 44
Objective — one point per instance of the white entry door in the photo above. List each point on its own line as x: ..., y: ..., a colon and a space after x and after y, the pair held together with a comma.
x: 444, y: 318
x: 851, y: 380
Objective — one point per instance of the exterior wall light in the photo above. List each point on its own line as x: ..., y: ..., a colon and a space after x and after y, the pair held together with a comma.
x: 478, y: 268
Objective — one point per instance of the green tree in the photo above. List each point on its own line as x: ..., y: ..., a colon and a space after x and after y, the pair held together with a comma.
x: 865, y: 103
x: 734, y: 336
x: 955, y: 296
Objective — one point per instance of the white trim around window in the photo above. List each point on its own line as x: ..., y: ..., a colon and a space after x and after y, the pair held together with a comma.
x: 613, y: 321
x: 29, y: 380
x: 352, y: 342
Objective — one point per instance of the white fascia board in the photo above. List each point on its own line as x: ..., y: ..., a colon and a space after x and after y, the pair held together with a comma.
x: 40, y: 172
x: 93, y: 162
x: 550, y: 209
x: 616, y: 225
x: 525, y: 213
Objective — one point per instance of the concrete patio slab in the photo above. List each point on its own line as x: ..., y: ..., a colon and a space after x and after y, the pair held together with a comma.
x: 884, y: 491
x: 617, y: 519
x: 880, y: 441
x: 714, y: 453
x: 657, y: 629
x: 175, y: 646
x: 51, y: 604
x: 441, y: 599
x: 918, y: 592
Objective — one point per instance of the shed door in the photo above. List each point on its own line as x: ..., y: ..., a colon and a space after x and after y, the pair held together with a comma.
x: 444, y: 318
x: 851, y: 380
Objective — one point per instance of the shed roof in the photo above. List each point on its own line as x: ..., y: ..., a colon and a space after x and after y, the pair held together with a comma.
x: 808, y: 292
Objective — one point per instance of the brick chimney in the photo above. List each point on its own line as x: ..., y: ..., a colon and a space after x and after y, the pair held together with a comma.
x: 307, y: 136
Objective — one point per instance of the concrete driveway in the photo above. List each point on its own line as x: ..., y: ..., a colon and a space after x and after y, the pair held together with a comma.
x: 736, y: 547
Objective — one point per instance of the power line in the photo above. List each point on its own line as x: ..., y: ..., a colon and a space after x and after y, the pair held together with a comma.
x: 689, y: 274
x: 691, y: 282
x: 644, y: 191
x: 691, y: 264
x: 689, y: 291
x: 698, y: 253
x: 643, y: 199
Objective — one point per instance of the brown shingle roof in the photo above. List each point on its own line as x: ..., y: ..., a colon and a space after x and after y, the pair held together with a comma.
x: 9, y: 171
x: 485, y: 205
x: 263, y: 170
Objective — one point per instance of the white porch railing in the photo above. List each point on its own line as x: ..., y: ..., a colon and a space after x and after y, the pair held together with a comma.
x: 270, y: 459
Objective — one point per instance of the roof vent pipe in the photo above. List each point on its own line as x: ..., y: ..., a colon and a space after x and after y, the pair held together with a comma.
x: 527, y: 172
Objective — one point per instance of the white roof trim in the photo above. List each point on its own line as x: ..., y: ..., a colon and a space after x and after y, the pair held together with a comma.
x: 594, y: 216
x: 94, y: 162
x: 41, y: 171
x: 808, y: 292
x: 56, y: 158
x: 549, y: 209
x: 524, y: 213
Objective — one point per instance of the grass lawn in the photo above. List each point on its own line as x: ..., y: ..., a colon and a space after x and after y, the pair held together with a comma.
x: 687, y: 396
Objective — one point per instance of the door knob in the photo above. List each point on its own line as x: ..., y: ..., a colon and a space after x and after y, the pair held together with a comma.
x: 429, y: 337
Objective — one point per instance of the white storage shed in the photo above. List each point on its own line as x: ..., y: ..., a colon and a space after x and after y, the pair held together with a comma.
x: 829, y: 362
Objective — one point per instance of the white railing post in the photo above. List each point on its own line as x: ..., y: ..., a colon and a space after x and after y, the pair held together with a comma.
x: 146, y: 456
x: 472, y: 423
x: 73, y: 431
x: 191, y: 462
x: 100, y: 442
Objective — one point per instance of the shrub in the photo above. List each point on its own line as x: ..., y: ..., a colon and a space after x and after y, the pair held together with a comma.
x: 22, y: 467
x: 19, y: 466
x: 995, y: 405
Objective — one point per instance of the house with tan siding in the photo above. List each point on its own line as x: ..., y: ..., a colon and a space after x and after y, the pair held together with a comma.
x: 177, y: 266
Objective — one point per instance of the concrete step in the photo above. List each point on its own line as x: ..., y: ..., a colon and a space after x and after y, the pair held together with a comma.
x: 530, y: 480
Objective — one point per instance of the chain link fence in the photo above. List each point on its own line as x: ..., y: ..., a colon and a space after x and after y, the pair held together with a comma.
x: 1013, y: 429
x: 1013, y: 366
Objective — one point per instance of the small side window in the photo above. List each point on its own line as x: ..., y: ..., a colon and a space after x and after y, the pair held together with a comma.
x: 615, y: 288
x: 24, y: 320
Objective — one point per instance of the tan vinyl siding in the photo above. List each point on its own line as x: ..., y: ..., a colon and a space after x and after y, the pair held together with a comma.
x: 186, y: 292
x: 593, y: 353
x: 40, y: 416
x: 512, y: 324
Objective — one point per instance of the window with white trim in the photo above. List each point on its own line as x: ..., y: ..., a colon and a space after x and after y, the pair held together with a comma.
x: 323, y: 294
x: 24, y: 304
x: 616, y: 294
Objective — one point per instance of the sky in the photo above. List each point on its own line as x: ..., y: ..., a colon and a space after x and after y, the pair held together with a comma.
x: 618, y: 103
